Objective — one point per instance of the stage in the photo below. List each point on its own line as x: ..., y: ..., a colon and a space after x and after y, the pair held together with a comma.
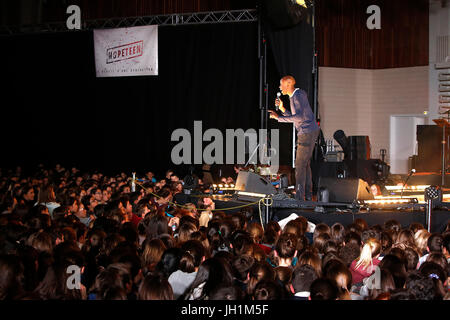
x: 332, y: 213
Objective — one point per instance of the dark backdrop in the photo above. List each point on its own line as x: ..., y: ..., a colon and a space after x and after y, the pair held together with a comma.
x: 56, y: 111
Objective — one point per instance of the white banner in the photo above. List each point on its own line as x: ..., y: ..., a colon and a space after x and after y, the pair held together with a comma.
x: 126, y: 52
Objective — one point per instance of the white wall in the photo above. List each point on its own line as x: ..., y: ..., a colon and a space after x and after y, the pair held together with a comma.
x: 360, y: 102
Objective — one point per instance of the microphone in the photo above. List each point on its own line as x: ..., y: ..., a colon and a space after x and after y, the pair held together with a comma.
x: 409, y: 175
x: 278, y: 98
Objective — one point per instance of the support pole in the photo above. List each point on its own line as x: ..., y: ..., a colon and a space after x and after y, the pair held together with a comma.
x: 429, y: 209
x: 443, y: 156
x: 262, y: 85
x: 315, y: 70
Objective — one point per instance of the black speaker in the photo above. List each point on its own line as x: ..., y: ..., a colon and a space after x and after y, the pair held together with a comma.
x: 251, y: 182
x: 359, y: 147
x: 345, y: 190
x: 429, y: 143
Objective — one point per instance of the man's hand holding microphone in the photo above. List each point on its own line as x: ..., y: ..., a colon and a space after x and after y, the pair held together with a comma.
x: 278, y: 106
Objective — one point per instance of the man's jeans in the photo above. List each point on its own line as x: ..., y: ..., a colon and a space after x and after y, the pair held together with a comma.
x: 303, y: 177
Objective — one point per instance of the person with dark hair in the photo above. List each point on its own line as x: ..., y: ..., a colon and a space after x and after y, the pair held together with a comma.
x: 348, y: 253
x: 311, y: 258
x: 242, y: 243
x: 338, y: 233
x: 438, y: 258
x: 435, y: 243
x: 324, y: 289
x: 156, y: 225
x: 211, y: 274
x: 170, y: 261
x: 392, y: 225
x: 320, y: 241
x: 28, y: 197
x: 269, y: 290
x: 370, y: 233
x: 302, y: 278
x: 115, y: 277
x: 446, y: 247
x: 285, y: 251
x: 412, y: 259
x: 321, y: 228
x: 438, y: 274
x: 241, y: 266
x: 227, y: 292
x: 363, y: 226
x: 415, y: 226
x: 406, y: 237
x: 46, y: 196
x: 67, y: 255
x: 421, y: 286
x: 396, y: 267
x: 240, y: 221
x: 258, y: 272
x: 402, y: 294
x: 193, y: 254
x: 386, y: 285
x: 152, y: 251
x: 155, y: 287
x: 341, y: 275
x: 271, y: 233
x: 283, y: 275
x: 11, y: 277
x: 352, y: 237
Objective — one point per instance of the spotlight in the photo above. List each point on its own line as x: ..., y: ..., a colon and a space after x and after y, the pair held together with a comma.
x: 301, y: 3
x: 285, y: 13
x: 432, y: 193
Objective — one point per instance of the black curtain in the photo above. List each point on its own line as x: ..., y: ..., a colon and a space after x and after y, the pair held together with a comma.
x: 289, y: 52
x: 57, y: 111
x: 292, y: 49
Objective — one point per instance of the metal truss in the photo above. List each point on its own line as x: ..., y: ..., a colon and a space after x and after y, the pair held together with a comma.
x: 247, y: 15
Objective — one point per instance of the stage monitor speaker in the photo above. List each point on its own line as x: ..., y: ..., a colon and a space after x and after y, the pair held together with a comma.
x: 251, y: 182
x: 345, y: 190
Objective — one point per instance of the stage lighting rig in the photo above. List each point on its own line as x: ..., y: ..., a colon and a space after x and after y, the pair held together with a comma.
x: 388, y: 203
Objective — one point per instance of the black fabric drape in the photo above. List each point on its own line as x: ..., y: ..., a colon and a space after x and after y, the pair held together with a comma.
x: 58, y: 111
x: 289, y: 52
x: 292, y: 49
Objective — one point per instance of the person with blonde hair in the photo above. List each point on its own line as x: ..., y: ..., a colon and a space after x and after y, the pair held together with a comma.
x: 421, y: 239
x: 365, y: 264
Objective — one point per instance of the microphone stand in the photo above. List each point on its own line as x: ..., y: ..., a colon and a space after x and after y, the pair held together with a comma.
x: 404, y: 184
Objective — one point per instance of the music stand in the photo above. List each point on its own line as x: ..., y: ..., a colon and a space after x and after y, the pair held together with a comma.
x: 443, y: 123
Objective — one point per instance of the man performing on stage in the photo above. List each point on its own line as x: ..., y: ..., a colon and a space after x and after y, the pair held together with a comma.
x: 307, y: 129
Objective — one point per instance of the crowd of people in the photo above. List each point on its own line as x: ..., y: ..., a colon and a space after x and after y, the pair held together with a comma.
x: 67, y: 234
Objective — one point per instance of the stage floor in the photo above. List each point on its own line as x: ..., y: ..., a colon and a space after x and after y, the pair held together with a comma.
x: 439, y: 218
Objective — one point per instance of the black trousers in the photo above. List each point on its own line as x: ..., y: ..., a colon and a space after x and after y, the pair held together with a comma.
x: 303, y: 176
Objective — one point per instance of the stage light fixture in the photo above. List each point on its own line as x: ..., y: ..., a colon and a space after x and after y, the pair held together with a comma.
x: 387, y: 203
x: 286, y: 13
x: 407, y: 188
x: 301, y: 3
